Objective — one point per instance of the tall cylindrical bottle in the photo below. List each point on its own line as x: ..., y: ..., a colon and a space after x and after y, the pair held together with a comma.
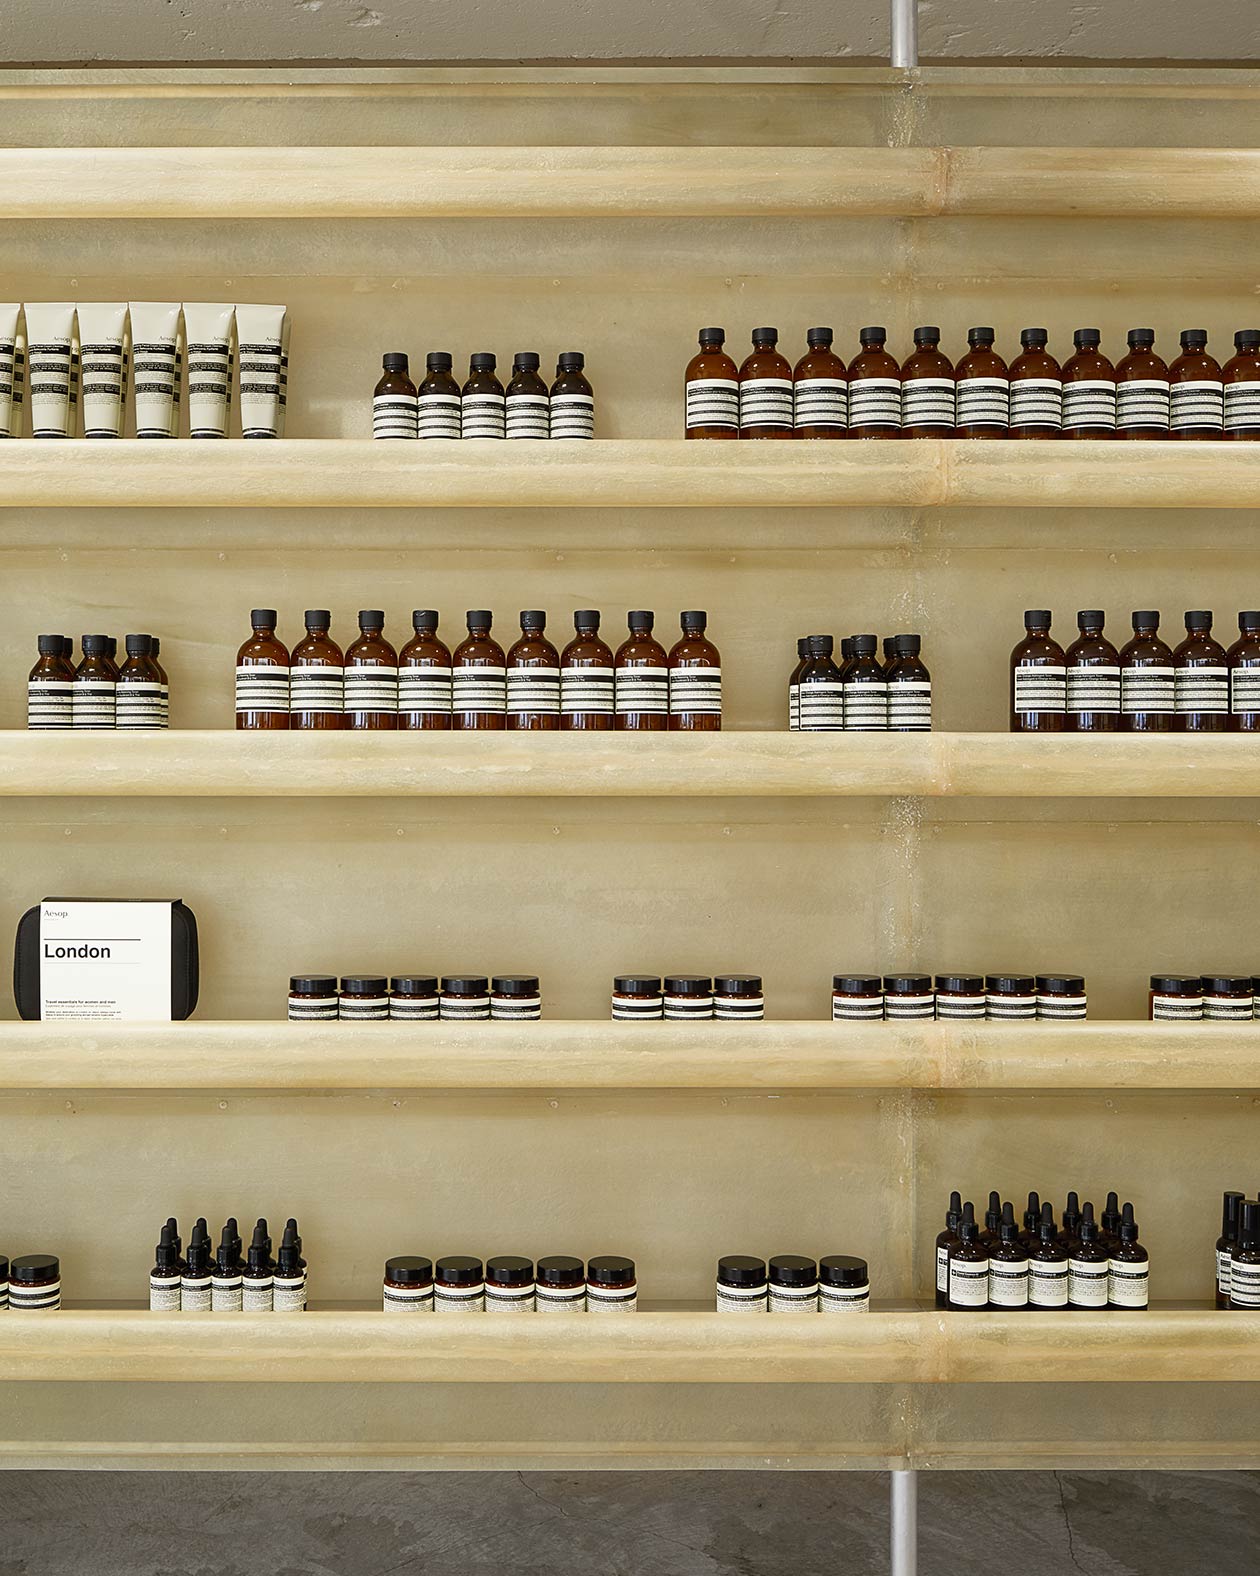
x: 982, y: 389
x: 424, y: 676
x: 820, y: 691
x: 1148, y: 701
x: 641, y: 678
x: 394, y: 399
x: 586, y: 677
x: 262, y: 676
x: 478, y: 677
x: 1142, y: 389
x: 1093, y: 678
x: 317, y: 698
x: 765, y: 389
x: 874, y: 388
x: 820, y: 389
x: 371, y: 676
x: 50, y: 687
x: 1089, y: 389
x: 533, y: 678
x: 927, y: 389
x: 1196, y: 405
x: 1038, y: 678
x: 1202, y: 678
x: 1036, y: 389
x: 695, y: 679
x: 711, y: 390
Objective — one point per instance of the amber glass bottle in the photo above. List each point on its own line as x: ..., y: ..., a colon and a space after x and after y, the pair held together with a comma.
x: 1089, y: 389
x: 820, y: 389
x: 711, y: 390
x: 874, y: 388
x: 794, y: 683
x: 695, y: 679
x: 1196, y: 403
x: 1202, y: 678
x: 982, y: 389
x: 394, y: 400
x: 572, y: 398
x: 927, y: 389
x: 586, y: 677
x: 371, y: 676
x: 1244, y: 676
x: 1241, y: 377
x: 478, y: 677
x: 820, y: 691
x: 139, y: 691
x: 1142, y: 389
x: 49, y: 703
x: 909, y: 687
x: 424, y: 676
x: 527, y: 401
x: 482, y: 411
x: 765, y: 389
x: 641, y: 678
x: 865, y: 688
x: 317, y: 676
x: 1147, y: 682
x: 533, y: 678
x: 1036, y: 389
x: 262, y: 676
x: 438, y: 399
x: 1093, y: 678
x: 162, y: 676
x: 1038, y: 679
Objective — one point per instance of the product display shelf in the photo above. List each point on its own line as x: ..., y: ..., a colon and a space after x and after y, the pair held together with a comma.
x: 191, y: 764
x: 346, y: 473
x: 573, y: 1054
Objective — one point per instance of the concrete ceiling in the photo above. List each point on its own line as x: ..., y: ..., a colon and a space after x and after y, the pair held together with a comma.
x: 84, y: 32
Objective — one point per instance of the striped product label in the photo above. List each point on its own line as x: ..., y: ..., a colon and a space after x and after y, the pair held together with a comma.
x: 572, y: 416
x: 194, y: 1294
x: 1089, y: 403
x: 741, y: 1299
x: 910, y: 706
x: 1095, y: 688
x: 793, y: 1299
x: 1197, y: 404
x: 166, y: 705
x: 1142, y: 403
x: 765, y: 402
x: 528, y: 416
x: 1242, y: 407
x: 681, y: 1007
x: 1087, y: 1283
x: 1050, y: 1008
x: 257, y: 1294
x: 820, y: 706
x: 226, y: 1294
x: 794, y: 707
x: 408, y: 1299
x: 1128, y: 1285
x: 456, y: 1009
x: 866, y: 706
x: 483, y: 416
x: 982, y: 402
x: 262, y: 376
x: 533, y: 690
x: 843, y: 1299
x: 317, y: 689
x: 438, y: 416
x: 1041, y: 688
x: 49, y: 703
x: 11, y: 364
x: 713, y: 402
x: 164, y: 1293
x: 875, y: 402
x: 628, y: 1008
x: 1244, y: 689
x: 857, y: 1009
x: 1186, y: 1008
x: 960, y: 1006
x: 371, y: 688
x: 642, y: 691
x: 138, y: 704
x: 413, y: 1008
x: 34, y: 1299
x: 363, y: 1009
x: 479, y: 690
x: 311, y: 1008
x: 560, y: 1299
x: 49, y: 366
x: 897, y: 1006
x: 154, y: 374
x: 695, y: 692
x: 586, y: 691
x: 1228, y: 1009
x: 262, y: 689
x: 611, y: 1299
x: 820, y: 402
x: 394, y: 416
x: 93, y: 703
x: 210, y: 380
x: 1150, y: 689
x: 1244, y: 1284
x: 1016, y: 1009
x: 927, y: 402
x: 101, y: 368
x: 289, y: 1294
x: 732, y: 1007
x: 509, y: 1299
x: 1036, y: 402
x: 506, y: 1009
x: 459, y: 1299
x: 1202, y: 689
x: 424, y: 689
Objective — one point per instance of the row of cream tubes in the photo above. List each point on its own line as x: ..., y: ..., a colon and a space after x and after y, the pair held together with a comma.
x: 64, y: 355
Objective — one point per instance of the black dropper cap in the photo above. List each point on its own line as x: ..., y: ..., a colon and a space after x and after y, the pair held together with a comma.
x: 317, y: 618
x: 289, y: 1258
x: 1087, y: 339
x: 846, y: 647
x: 525, y: 361
x: 1089, y: 1226
x: 478, y: 618
x: 1032, y: 1214
x: 1033, y: 338
x: 570, y: 361
x: 1230, y: 1203
x: 260, y: 1248
x: 712, y: 338
x: 228, y: 1256
x: 1194, y: 339
x: 1128, y: 1226
x: 439, y: 361
x: 1037, y: 619
x: 199, y: 1249
x: 424, y: 620
x: 819, y: 338
x: 967, y: 1228
x: 394, y: 361
x: 50, y: 646
x: 111, y: 646
x: 263, y: 617
x: 1008, y: 1231
x: 1047, y: 1216
x: 954, y: 1213
x: 872, y: 336
x: 371, y: 618
x: 482, y: 361
x: 802, y: 645
x: 993, y: 1215
x: 1141, y: 338
x: 1199, y: 620
x: 927, y: 336
x: 641, y: 621
x: 586, y: 621
x: 980, y: 336
x: 533, y: 618
x: 175, y: 1237
x: 1249, y: 1223
x: 765, y: 338
x: 694, y: 622
x: 1146, y: 619
x: 1046, y: 1233
x: 1072, y: 1212
x: 890, y: 647
x: 1111, y: 1214
x: 166, y: 1256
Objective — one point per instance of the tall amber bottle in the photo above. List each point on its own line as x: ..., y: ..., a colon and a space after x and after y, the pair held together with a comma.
x: 438, y: 398
x: 1093, y: 678
x: 371, y: 676
x: 478, y: 677
x: 1244, y: 676
x: 820, y: 389
x: 1089, y: 389
x: 695, y: 679
x: 262, y: 676
x: 927, y: 389
x: 394, y: 399
x: 1202, y: 678
x: 424, y: 676
x: 1038, y: 678
x: 586, y: 677
x: 1142, y: 389
x: 1148, y: 702
x: 711, y: 390
x: 1036, y: 389
x: 317, y: 677
x: 139, y: 691
x: 874, y: 388
x: 641, y: 678
x: 482, y: 408
x: 765, y: 389
x: 982, y: 389
x: 1241, y: 377
x: 533, y: 678
x: 1196, y: 393
x: 527, y: 402
x: 572, y: 398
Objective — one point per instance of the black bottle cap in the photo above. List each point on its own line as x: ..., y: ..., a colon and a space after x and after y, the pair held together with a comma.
x: 586, y: 621
x: 1008, y: 1231
x: 713, y: 338
x: 821, y: 645
x: 570, y: 361
x: 954, y: 1212
x: 314, y: 984
x: 1033, y: 1213
x: 363, y: 984
x: 838, y: 1269
x: 737, y: 984
x: 1199, y: 620
x: 980, y: 336
x: 157, y: 645
x: 139, y: 645
x: 694, y: 622
x: 414, y: 984
x: 1033, y: 338
x: 1141, y: 338
x: 872, y: 336
x: 409, y: 1270
x: 1227, y: 984
x: 439, y: 361
x: 317, y: 618
x: 802, y: 645
x: 50, y: 645
x: 1090, y: 618
x: 1248, y: 623
x: 371, y: 618
x: 1230, y: 1202
x: 907, y: 645
x: 688, y: 985
x: 765, y: 336
x: 1247, y: 339
x: 263, y: 617
x: 95, y: 645
x: 165, y: 1256
x: 525, y: 361
x: 927, y: 336
x: 968, y: 1230
x: 506, y: 1269
x: 466, y: 984
x: 478, y: 618
x: 1010, y: 984
x: 533, y: 618
x: 738, y: 1269
x: 1061, y: 984
x: 457, y: 1269
x: 819, y: 338
x: 481, y: 361
x: 424, y: 620
x: 641, y: 621
x: 864, y: 645
x: 961, y: 984
x: 394, y: 361
x: 637, y: 984
x: 857, y: 984
x: 790, y: 1269
x: 1147, y: 619
x: 29, y: 1268
x: 890, y: 647
x: 1046, y: 1231
x: 515, y: 984
x: 610, y: 1269
x: 1194, y: 339
x: 907, y: 984
x: 1037, y: 618
x: 562, y: 1269
x: 1087, y: 339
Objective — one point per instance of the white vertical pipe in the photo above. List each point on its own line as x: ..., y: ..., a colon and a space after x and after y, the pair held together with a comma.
x: 904, y: 1496
x: 905, y: 34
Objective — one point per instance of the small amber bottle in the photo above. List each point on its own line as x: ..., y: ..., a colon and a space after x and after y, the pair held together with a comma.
x: 1048, y: 1272
x: 1038, y: 678
x: 1129, y: 1270
x: 156, y: 653
x: 1225, y: 1244
x: 641, y: 678
x: 1008, y: 1266
x: 794, y: 683
x: 394, y: 399
x: 982, y: 389
x: 765, y: 389
x: 371, y: 676
x: 909, y: 687
x: 533, y: 678
x: 1089, y: 1261
x: 968, y: 1267
x: 820, y: 389
x: 1241, y: 377
x: 1196, y: 403
x: 946, y: 1240
x: 1089, y: 389
x: 1244, y: 1261
x: 317, y: 676
x: 1142, y: 389
x: 1036, y: 389
x: 1244, y: 676
x: 1202, y: 678
x: 262, y: 676
x: 695, y: 679
x: 49, y: 687
x: 586, y: 677
x: 865, y: 688
x: 572, y: 398
x: 820, y: 692
x: 478, y: 677
x: 874, y: 388
x: 138, y: 698
x: 424, y: 676
x: 711, y: 390
x: 438, y: 398
x: 927, y: 389
x: 482, y: 413
x: 1147, y: 680
x: 1093, y: 678
x: 527, y: 400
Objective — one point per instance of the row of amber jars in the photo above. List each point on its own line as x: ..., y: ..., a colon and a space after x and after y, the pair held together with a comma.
x: 1222, y: 998
x: 687, y: 997
x: 530, y: 687
x: 506, y: 1283
x: 411, y: 997
x: 1087, y: 397
x: 859, y: 998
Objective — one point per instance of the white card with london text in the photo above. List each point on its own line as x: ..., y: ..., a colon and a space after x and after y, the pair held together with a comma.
x: 105, y: 961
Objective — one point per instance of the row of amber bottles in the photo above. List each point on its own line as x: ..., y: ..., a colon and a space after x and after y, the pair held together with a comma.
x: 929, y: 397
x: 98, y: 693
x: 483, y: 408
x: 859, y: 694
x: 1146, y: 687
x: 530, y: 687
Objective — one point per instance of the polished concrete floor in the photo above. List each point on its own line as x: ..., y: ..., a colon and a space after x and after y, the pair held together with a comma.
x: 623, y: 1524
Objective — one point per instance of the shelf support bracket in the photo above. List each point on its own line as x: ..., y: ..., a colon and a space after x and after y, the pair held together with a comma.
x: 904, y: 1523
x: 905, y: 34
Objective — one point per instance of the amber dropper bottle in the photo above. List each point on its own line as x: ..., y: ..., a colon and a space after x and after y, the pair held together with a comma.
x: 258, y: 1278
x: 226, y: 1274
x: 1047, y: 1267
x: 1008, y: 1266
x: 969, y: 1266
x: 1129, y: 1273
x: 1244, y: 1266
x: 945, y: 1241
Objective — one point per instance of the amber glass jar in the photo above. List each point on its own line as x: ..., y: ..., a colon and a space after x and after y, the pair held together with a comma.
x: 857, y: 998
x: 960, y: 996
x: 1060, y: 997
x: 738, y: 997
x: 908, y: 996
x: 413, y: 998
x: 1228, y: 998
x: 515, y: 998
x: 1010, y: 998
x: 465, y: 997
x: 688, y: 997
x: 312, y: 998
x: 364, y: 998
x: 408, y: 1285
x: 636, y: 996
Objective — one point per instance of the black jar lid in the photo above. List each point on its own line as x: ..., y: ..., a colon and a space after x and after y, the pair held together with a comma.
x: 838, y: 1269
x: 515, y: 984
x: 1177, y: 984
x: 506, y: 1269
x: 789, y: 1269
x: 1227, y: 985
x: 637, y: 984
x: 738, y: 1269
x: 1011, y: 984
x: 1061, y: 984
x: 409, y: 1271
x: 737, y: 984
x: 961, y: 984
x: 857, y: 985
x: 364, y: 984
x: 34, y: 1269
x: 907, y: 984
x: 610, y: 1269
x: 314, y: 984
x: 456, y: 1269
x: 561, y: 1269
x: 688, y: 985
x: 414, y: 985
x: 465, y: 985
x: 4, y: 1268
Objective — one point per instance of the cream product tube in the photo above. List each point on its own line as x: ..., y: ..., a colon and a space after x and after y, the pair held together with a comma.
x: 260, y: 331
x: 50, y: 338
x: 208, y: 334
x: 155, y: 366
x: 102, y: 366
x: 12, y: 366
